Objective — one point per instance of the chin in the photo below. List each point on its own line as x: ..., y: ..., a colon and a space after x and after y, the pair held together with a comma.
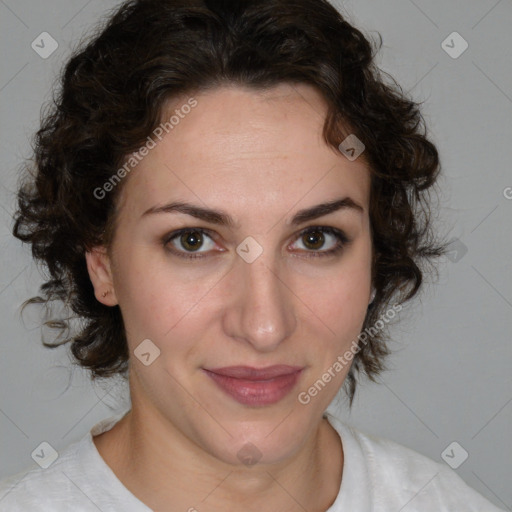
x: 270, y: 439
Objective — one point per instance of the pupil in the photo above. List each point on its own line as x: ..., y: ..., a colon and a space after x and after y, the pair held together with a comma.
x: 314, y: 239
x: 191, y: 240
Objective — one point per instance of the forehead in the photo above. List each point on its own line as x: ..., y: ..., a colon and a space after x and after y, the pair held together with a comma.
x: 254, y: 150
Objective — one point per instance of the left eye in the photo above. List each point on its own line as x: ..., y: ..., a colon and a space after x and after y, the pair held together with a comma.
x: 316, y: 238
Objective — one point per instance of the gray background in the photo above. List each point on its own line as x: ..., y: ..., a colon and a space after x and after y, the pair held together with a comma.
x: 449, y: 377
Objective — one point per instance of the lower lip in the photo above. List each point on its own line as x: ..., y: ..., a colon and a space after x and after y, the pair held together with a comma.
x: 256, y: 392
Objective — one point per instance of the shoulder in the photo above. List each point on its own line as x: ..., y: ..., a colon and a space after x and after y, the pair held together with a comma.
x: 41, y: 489
x: 400, y: 478
x: 78, y: 480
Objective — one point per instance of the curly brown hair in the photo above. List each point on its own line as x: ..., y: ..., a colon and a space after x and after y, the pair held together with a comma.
x: 112, y: 94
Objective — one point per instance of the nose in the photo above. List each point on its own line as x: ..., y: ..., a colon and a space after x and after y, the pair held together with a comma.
x: 261, y: 310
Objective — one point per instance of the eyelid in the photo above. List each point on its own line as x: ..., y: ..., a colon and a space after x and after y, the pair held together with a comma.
x: 325, y: 229
x: 174, y: 234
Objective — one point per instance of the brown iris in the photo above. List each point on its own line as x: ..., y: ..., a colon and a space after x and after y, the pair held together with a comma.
x: 191, y: 240
x: 313, y: 239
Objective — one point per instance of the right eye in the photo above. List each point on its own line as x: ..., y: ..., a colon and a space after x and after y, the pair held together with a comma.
x: 187, y: 242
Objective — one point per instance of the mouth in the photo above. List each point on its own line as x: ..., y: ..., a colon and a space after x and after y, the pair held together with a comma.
x: 253, y: 386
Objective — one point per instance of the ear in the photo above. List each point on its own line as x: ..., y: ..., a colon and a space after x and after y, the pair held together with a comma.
x: 100, y: 274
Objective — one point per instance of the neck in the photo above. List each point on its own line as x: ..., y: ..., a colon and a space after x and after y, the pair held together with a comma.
x: 164, y: 467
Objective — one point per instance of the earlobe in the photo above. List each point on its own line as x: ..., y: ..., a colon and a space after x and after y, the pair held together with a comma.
x: 372, y: 295
x: 100, y: 274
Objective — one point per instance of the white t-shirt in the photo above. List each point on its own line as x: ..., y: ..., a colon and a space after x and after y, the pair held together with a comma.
x: 378, y: 476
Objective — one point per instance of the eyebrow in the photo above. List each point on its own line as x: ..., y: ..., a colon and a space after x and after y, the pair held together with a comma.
x: 222, y: 218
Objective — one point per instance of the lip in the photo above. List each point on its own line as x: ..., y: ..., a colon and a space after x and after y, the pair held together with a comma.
x: 256, y: 386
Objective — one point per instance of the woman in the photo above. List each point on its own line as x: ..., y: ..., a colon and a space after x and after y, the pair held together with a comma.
x: 234, y: 203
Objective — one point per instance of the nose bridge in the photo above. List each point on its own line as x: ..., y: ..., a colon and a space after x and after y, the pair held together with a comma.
x: 262, y: 313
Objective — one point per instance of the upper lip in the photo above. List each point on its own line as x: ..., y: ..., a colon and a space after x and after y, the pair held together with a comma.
x: 249, y: 373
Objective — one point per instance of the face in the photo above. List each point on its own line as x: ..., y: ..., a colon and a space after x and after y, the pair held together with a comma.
x: 247, y: 272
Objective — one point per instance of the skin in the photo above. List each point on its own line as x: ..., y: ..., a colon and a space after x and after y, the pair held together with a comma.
x: 258, y: 156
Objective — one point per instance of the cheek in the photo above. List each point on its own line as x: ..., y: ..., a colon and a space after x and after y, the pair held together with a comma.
x: 341, y: 297
x: 151, y: 308
x: 343, y: 307
x: 161, y: 301
x: 146, y: 296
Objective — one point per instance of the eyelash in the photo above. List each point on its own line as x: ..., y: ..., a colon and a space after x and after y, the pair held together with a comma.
x: 342, y: 241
